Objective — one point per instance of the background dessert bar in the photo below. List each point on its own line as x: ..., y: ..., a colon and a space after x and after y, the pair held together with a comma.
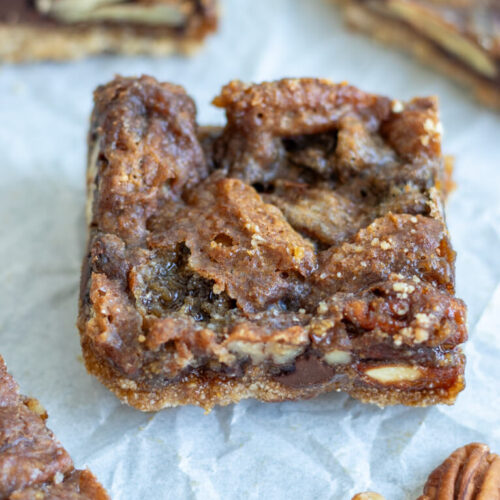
x: 458, y: 37
x: 33, y: 464
x: 69, y: 29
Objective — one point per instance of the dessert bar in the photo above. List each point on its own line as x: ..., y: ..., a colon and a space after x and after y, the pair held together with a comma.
x: 458, y: 37
x: 68, y: 29
x: 300, y: 249
x: 33, y: 464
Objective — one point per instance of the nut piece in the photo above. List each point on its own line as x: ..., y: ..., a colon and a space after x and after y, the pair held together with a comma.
x: 36, y: 407
x: 150, y: 13
x: 391, y: 374
x: 337, y: 357
x: 469, y: 473
x: 258, y: 352
x: 368, y: 495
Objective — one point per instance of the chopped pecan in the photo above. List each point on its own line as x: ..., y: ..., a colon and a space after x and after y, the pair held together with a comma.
x: 368, y: 495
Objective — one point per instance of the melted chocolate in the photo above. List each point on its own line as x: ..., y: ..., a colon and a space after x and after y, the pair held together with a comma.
x: 21, y: 11
x: 309, y: 370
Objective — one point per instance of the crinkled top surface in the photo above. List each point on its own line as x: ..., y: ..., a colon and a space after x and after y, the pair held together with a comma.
x: 314, y: 195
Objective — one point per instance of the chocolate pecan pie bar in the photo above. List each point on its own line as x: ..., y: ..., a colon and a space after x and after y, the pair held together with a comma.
x: 68, y: 29
x: 300, y: 249
x: 458, y: 37
x: 33, y: 464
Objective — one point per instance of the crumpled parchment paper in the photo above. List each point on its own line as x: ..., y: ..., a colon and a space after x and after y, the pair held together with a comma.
x: 327, y: 448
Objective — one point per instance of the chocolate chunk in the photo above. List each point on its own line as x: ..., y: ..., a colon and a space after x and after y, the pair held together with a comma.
x: 308, y: 371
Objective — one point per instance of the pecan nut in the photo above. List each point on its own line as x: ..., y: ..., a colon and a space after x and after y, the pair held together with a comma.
x: 148, y: 13
x: 469, y: 473
x: 368, y: 495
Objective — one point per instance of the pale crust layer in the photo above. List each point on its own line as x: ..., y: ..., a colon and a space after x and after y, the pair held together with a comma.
x: 28, y: 43
x: 396, y: 34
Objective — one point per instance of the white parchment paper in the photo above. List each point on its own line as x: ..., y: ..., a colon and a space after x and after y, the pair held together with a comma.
x: 327, y: 448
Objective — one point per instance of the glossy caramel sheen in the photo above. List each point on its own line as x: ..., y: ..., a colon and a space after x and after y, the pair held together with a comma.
x: 309, y: 229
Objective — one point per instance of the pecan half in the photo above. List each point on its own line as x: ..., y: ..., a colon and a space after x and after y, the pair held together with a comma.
x: 469, y: 473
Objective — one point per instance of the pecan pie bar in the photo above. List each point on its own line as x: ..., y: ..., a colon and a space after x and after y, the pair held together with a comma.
x: 33, y: 464
x: 300, y: 249
x: 68, y: 29
x: 458, y: 37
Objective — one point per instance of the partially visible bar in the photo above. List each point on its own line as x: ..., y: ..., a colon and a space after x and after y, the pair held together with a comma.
x: 460, y: 38
x: 33, y: 464
x: 72, y: 29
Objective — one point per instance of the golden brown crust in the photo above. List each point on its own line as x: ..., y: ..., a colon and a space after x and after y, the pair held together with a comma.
x: 79, y: 485
x: 22, y: 44
x: 208, y: 392
x: 395, y: 33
